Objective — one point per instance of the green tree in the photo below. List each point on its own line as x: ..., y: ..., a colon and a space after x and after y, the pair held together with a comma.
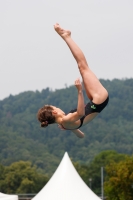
x: 22, y: 177
x: 91, y: 173
x: 119, y: 185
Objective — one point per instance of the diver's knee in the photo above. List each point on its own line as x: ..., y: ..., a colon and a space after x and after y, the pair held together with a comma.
x: 82, y: 65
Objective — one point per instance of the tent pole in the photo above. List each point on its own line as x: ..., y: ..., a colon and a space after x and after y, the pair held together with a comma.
x: 102, y: 191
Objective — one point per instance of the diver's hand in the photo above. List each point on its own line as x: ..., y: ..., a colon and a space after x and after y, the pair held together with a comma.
x: 78, y: 84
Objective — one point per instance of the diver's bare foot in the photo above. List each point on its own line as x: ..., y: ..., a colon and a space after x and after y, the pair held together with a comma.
x: 63, y: 33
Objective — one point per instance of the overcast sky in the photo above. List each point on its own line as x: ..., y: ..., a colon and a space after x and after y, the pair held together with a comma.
x: 33, y: 56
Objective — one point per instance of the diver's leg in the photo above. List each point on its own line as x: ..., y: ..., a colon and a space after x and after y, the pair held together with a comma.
x: 94, y: 89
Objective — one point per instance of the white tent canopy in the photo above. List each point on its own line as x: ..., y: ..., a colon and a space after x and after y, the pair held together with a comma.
x: 8, y: 197
x: 66, y: 184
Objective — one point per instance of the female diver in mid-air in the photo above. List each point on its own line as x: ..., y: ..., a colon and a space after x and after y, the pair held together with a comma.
x: 95, y: 91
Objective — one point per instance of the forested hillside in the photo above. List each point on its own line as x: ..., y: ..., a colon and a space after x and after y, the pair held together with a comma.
x: 21, y: 137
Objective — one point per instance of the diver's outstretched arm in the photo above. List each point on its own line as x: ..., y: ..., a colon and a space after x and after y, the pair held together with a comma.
x: 78, y: 133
